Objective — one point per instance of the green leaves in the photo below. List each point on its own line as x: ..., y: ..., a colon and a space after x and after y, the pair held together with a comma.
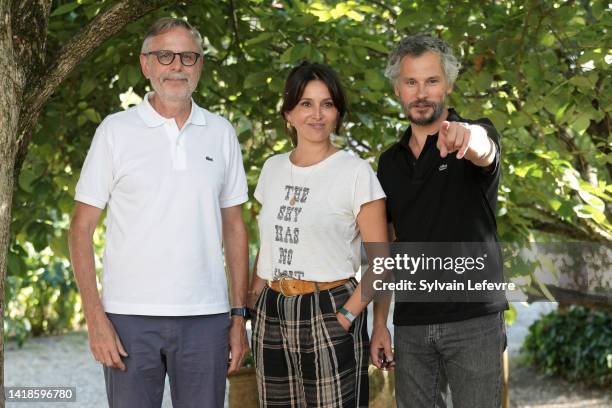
x: 261, y: 38
x: 26, y: 178
x: 65, y: 8
x: 87, y: 86
x: 256, y: 79
x: 296, y: 53
x: 574, y: 343
x: 581, y: 122
x: 528, y: 79
x: 92, y: 115
x: 483, y: 80
x: 129, y: 75
x: 582, y: 82
x: 546, y: 86
x: 375, y: 80
x: 373, y: 45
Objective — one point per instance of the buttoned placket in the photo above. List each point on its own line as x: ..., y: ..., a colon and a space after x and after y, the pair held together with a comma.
x: 177, y: 143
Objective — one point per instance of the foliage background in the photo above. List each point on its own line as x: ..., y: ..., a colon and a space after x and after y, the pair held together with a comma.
x: 541, y: 70
x: 575, y: 343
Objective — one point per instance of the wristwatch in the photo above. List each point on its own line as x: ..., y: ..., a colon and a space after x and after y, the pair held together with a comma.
x: 349, y: 316
x: 241, y: 311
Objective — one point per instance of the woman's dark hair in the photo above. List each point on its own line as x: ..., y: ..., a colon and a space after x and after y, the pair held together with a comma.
x: 296, y: 82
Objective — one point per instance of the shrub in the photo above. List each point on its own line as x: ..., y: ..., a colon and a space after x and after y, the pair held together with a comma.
x: 575, y: 344
x: 41, y: 296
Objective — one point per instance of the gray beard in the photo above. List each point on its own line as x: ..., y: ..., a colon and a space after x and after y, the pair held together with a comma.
x: 438, y: 110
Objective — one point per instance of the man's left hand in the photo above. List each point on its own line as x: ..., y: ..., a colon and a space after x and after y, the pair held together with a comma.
x: 454, y: 137
x: 238, y: 344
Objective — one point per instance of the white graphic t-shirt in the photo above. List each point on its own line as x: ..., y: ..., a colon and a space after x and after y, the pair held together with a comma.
x: 308, y: 220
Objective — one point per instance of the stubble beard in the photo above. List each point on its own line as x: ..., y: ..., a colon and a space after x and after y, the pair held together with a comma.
x: 174, y: 96
x: 438, y: 110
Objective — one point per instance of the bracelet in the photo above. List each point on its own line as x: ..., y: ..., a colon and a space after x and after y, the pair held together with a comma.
x: 346, y: 313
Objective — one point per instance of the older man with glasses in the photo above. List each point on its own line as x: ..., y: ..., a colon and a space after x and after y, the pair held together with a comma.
x: 170, y: 174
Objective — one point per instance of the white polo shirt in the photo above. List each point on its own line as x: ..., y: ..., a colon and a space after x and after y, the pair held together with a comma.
x: 164, y: 189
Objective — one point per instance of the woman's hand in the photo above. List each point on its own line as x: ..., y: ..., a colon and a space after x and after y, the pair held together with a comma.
x: 344, y: 322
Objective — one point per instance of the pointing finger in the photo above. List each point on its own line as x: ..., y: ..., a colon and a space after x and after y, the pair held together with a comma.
x: 444, y: 128
x: 443, y: 149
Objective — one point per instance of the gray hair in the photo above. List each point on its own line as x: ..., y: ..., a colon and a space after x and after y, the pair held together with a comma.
x: 417, y: 45
x: 168, y: 23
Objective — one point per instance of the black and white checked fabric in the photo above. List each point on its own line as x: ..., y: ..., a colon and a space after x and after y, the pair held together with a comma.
x: 303, y: 356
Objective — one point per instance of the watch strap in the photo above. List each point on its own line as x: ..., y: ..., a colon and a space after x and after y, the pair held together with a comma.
x: 240, y: 311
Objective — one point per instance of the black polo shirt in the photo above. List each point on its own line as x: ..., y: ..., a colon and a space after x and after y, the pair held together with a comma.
x: 434, y: 199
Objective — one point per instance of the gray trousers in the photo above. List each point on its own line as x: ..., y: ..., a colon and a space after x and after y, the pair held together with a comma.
x: 192, y: 350
x: 465, y: 356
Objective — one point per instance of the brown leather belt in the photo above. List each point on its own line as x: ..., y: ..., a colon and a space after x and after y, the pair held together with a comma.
x: 295, y: 287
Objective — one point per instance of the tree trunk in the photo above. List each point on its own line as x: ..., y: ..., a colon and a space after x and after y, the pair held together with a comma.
x: 11, y: 89
x: 6, y: 194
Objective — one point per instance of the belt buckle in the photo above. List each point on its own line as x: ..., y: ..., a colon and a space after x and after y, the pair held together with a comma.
x: 282, y: 276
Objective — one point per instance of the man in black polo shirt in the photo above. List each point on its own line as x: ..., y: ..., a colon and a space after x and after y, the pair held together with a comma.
x: 441, y: 182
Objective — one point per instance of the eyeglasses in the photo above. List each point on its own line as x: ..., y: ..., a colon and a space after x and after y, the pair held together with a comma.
x: 166, y: 57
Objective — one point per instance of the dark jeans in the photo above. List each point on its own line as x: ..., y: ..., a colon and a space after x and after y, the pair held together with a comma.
x: 465, y: 356
x: 192, y: 350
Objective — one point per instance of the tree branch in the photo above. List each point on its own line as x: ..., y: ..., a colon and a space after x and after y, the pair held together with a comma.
x: 521, y: 40
x: 551, y: 223
x: 30, y: 19
x: 575, y: 297
x: 236, y: 39
x: 103, y: 27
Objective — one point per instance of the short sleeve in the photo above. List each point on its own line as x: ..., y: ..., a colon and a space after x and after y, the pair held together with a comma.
x: 491, y: 172
x: 489, y: 177
x: 367, y: 187
x: 235, y: 190
x: 260, y: 188
x: 97, y: 176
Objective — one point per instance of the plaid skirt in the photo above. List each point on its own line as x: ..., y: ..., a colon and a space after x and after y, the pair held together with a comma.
x: 303, y: 356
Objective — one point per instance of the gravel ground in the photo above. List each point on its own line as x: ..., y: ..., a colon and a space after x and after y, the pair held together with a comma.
x: 66, y: 361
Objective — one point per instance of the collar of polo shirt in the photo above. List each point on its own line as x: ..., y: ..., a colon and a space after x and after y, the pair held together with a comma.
x: 153, y: 119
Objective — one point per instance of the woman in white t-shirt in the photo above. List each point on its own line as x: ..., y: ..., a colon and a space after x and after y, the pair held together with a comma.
x: 310, y: 339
